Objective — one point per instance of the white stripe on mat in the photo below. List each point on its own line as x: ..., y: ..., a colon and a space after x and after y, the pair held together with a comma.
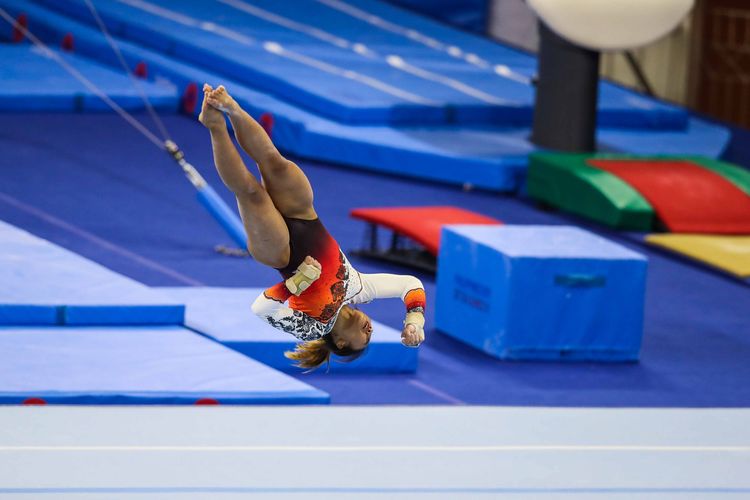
x: 451, y: 449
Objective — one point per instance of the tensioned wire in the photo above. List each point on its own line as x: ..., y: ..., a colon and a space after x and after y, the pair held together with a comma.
x: 84, y: 81
x: 136, y: 82
x: 207, y: 196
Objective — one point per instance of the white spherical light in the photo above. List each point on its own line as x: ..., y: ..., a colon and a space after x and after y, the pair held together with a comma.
x: 611, y: 24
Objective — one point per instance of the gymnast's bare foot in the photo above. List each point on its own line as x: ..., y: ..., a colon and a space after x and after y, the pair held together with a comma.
x: 221, y: 100
x: 210, y: 117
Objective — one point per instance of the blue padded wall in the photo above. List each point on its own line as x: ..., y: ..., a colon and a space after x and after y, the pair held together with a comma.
x: 44, y: 284
x: 136, y: 365
x: 540, y: 292
x: 224, y: 315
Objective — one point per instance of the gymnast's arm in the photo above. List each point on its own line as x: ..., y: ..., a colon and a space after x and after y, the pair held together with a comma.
x: 409, y: 289
x: 270, y: 307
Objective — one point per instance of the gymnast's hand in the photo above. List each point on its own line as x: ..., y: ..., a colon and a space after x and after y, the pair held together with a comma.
x: 413, y: 333
x: 307, y: 272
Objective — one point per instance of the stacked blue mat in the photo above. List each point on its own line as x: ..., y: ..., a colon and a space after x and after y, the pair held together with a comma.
x: 367, y: 85
x: 330, y: 68
x: 74, y: 332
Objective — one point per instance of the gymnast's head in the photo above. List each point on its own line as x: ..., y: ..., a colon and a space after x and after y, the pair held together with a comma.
x: 348, y: 340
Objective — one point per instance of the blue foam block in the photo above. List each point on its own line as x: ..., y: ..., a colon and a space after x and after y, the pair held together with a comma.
x: 136, y: 365
x: 224, y: 314
x: 33, y: 81
x: 44, y: 284
x: 540, y: 292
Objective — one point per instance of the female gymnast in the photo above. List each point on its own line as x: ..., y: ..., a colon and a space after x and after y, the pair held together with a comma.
x: 284, y: 232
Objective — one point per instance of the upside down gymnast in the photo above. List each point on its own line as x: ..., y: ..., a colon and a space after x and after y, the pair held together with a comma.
x: 284, y: 232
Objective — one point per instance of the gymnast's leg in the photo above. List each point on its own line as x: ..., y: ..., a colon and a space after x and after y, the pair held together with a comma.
x: 267, y: 234
x: 285, y: 182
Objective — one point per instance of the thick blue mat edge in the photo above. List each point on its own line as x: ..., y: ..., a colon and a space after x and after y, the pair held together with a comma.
x: 76, y: 398
x: 29, y: 315
x: 137, y: 365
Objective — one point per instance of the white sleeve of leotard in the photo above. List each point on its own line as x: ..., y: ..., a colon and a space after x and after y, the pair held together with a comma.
x: 383, y: 286
x: 288, y: 320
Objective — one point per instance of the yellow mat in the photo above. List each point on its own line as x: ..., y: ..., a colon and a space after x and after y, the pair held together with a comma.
x: 728, y: 253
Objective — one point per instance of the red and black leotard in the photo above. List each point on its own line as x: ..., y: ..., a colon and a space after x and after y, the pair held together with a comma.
x: 312, y: 314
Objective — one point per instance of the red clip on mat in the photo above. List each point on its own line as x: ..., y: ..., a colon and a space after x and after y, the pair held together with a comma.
x: 687, y: 197
x: 422, y: 224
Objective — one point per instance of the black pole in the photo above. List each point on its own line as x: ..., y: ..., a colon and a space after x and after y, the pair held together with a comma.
x: 566, y: 95
x: 638, y: 72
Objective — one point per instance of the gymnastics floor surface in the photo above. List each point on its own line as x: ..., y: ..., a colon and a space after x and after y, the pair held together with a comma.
x: 373, y: 452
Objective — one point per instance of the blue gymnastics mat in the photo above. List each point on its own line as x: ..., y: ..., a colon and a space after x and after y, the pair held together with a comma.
x: 224, y: 314
x: 491, y: 158
x: 33, y: 81
x: 44, y: 284
x: 136, y: 365
x: 351, y: 70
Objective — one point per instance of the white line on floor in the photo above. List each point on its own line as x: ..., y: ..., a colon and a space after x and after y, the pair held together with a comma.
x: 459, y: 449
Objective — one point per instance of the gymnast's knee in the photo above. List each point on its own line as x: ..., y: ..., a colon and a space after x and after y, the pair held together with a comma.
x: 276, y: 261
x: 276, y: 164
x: 251, y: 192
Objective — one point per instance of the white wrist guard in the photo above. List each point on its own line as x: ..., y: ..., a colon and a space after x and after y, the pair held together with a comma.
x: 415, y: 318
x: 302, y: 279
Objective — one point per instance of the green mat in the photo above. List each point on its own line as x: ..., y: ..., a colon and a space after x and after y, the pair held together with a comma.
x: 566, y: 181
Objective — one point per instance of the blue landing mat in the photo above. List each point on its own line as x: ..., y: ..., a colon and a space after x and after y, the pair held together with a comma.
x: 224, y: 314
x: 136, y: 365
x: 489, y: 158
x: 349, y: 70
x: 33, y: 81
x: 44, y: 284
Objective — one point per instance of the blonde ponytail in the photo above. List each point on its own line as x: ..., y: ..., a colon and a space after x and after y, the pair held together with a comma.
x: 313, y: 353
x: 310, y: 355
